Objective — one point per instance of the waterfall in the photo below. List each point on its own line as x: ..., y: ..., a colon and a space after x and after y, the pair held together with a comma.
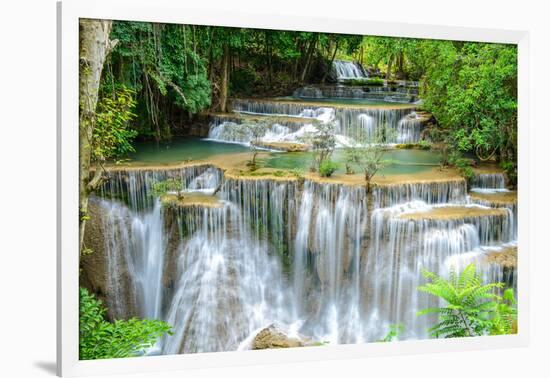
x: 228, y: 285
x: 328, y: 244
x: 374, y: 93
x: 450, y: 191
x: 402, y: 247
x: 489, y: 181
x: 403, y: 124
x: 307, y: 256
x: 134, y: 242
x: 348, y: 70
x: 408, y: 129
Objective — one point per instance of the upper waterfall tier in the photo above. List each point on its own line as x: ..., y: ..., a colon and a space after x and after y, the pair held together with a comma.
x: 348, y: 70
x: 368, y: 92
x: 290, y: 120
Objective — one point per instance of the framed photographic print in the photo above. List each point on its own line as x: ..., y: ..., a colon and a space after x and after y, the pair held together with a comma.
x: 241, y: 189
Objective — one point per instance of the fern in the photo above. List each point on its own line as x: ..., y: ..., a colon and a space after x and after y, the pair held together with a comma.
x: 473, y: 309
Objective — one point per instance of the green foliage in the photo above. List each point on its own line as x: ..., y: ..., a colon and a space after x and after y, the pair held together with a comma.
x: 393, y: 334
x: 472, y: 92
x: 322, y: 143
x: 472, y: 308
x: 367, y: 153
x: 355, y: 82
x: 243, y: 81
x: 161, y: 188
x: 162, y: 64
x: 112, y: 135
x: 375, y: 81
x: 463, y: 165
x: 123, y: 338
x: 253, y: 130
x: 327, y: 168
x: 511, y: 170
x: 504, y: 321
x: 424, y: 145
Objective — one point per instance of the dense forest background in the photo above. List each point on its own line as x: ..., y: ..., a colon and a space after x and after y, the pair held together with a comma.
x: 176, y: 72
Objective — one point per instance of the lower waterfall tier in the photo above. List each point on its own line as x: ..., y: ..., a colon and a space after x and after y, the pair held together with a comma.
x: 227, y: 257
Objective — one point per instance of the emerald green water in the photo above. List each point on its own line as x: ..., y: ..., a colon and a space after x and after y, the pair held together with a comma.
x: 345, y: 101
x: 397, y: 161
x: 181, y: 149
x: 185, y: 149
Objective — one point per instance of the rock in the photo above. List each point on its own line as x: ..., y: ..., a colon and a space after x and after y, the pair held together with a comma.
x: 273, y: 337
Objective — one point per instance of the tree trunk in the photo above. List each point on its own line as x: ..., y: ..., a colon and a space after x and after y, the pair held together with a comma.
x: 94, y: 47
x: 310, y: 51
x: 331, y: 61
x: 225, y: 78
x: 390, y: 63
x: 211, y: 55
x: 268, y: 54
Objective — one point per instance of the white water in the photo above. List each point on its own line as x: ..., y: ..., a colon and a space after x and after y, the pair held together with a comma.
x: 347, y: 70
x: 350, y: 123
x: 295, y: 255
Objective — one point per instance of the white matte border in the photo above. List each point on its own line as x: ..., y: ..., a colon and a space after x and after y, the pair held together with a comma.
x: 67, y: 178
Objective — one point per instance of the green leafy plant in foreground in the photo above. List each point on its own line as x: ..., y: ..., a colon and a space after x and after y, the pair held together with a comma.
x: 122, y: 338
x: 113, y: 134
x: 327, y: 168
x: 161, y: 188
x: 473, y: 309
x: 393, y: 334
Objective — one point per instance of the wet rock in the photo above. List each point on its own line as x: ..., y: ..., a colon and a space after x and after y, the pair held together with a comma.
x: 116, y: 292
x: 273, y: 337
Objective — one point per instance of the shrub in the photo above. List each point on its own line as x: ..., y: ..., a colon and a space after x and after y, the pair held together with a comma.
x: 511, y: 170
x: 463, y: 165
x: 161, y: 188
x: 243, y: 81
x: 424, y: 145
x: 375, y: 81
x: 393, y: 333
x: 327, y: 168
x: 123, y: 338
x: 472, y: 308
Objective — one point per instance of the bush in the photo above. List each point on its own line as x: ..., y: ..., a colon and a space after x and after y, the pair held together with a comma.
x: 243, y: 81
x: 472, y: 308
x: 327, y: 168
x: 375, y: 81
x: 161, y: 188
x: 463, y: 165
x: 511, y: 170
x: 424, y: 145
x: 123, y: 338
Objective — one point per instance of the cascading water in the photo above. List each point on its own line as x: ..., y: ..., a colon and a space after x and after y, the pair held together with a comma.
x: 308, y: 256
x: 228, y: 285
x: 404, y: 125
x: 348, y: 70
x: 489, y: 181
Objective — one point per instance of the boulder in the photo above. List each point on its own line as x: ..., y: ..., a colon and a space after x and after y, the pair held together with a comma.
x: 273, y: 337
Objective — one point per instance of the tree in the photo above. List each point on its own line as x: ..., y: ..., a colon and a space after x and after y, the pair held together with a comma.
x: 367, y: 153
x: 322, y: 142
x: 99, y: 338
x: 472, y: 92
x: 473, y: 309
x: 112, y: 135
x: 170, y: 185
x: 95, y: 45
x: 253, y: 131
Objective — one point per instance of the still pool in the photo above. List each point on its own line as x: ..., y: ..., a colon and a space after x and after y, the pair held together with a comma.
x: 396, y: 161
x: 186, y: 149
x: 181, y: 149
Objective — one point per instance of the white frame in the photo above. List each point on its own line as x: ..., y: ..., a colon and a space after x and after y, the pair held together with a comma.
x: 167, y: 11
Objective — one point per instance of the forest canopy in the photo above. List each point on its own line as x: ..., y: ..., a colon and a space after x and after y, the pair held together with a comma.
x: 179, y: 71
